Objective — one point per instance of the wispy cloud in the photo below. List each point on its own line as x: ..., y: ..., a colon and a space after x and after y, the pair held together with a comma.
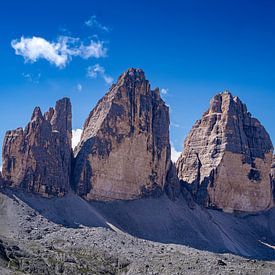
x: 76, y: 135
x: 164, y: 91
x: 175, y: 125
x: 94, y: 49
x: 174, y: 154
x: 32, y: 77
x: 58, y: 52
x: 98, y: 71
x: 94, y: 23
x: 79, y: 87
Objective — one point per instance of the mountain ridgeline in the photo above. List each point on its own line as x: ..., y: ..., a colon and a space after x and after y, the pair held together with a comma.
x: 124, y: 152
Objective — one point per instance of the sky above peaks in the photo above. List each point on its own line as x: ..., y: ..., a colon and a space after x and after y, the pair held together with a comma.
x: 191, y: 50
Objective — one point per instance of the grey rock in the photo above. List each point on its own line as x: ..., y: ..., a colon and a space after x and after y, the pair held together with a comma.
x: 172, y: 186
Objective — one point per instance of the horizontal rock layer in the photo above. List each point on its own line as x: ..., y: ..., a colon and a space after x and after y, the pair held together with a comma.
x: 226, y: 158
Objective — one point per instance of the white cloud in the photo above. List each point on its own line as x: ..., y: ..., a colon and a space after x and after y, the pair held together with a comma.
x: 176, y: 125
x: 95, y: 49
x: 164, y: 91
x: 174, y: 154
x: 76, y: 135
x: 59, y: 52
x: 36, y: 47
x: 94, y: 23
x: 97, y: 70
x: 79, y: 87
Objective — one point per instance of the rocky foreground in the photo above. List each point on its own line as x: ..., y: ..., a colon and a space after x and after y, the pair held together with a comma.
x: 51, y: 240
x: 102, y: 251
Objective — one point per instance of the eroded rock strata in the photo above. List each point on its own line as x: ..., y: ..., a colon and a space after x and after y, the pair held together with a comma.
x: 38, y: 158
x: 226, y: 158
x: 124, y: 152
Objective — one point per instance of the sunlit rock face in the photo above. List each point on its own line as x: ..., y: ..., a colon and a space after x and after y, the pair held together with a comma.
x: 124, y: 152
x: 38, y: 158
x: 227, y: 158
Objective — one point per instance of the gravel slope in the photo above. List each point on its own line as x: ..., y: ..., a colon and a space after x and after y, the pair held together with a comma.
x: 71, y: 236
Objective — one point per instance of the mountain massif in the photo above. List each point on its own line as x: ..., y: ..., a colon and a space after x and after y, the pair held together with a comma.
x: 120, y: 175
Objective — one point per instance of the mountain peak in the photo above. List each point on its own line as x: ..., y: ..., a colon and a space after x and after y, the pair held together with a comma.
x: 132, y: 75
x: 38, y: 159
x: 227, y: 158
x: 124, y: 151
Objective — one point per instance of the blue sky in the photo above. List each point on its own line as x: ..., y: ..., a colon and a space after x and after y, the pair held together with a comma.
x: 193, y: 49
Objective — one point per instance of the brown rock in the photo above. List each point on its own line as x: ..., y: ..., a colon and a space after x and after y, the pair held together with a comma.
x: 124, y: 152
x: 38, y: 158
x: 273, y: 178
x: 227, y: 158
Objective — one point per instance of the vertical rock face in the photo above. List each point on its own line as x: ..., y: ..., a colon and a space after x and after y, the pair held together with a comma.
x: 1, y: 181
x: 172, y: 186
x: 273, y: 178
x: 227, y: 158
x: 38, y: 158
x: 124, y: 152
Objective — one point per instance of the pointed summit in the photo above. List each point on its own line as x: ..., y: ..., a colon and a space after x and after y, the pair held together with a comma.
x: 133, y: 75
x: 124, y: 152
x: 226, y: 158
x: 38, y: 159
x: 36, y: 114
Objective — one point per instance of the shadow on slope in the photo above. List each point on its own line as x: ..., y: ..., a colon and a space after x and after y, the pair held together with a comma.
x: 69, y: 211
x: 166, y: 221
x: 162, y: 220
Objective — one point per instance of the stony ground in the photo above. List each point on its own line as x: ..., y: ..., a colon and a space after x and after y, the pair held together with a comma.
x: 102, y: 251
x: 32, y: 244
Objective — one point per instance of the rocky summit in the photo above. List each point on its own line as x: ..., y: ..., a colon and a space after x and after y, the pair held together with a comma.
x: 38, y: 158
x: 124, y: 152
x: 227, y: 158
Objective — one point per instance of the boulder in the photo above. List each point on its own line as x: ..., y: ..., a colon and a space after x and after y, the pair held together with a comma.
x: 227, y: 158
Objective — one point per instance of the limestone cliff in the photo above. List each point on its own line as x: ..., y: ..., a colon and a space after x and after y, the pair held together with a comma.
x: 124, y: 152
x: 38, y: 158
x: 273, y: 178
x: 227, y: 158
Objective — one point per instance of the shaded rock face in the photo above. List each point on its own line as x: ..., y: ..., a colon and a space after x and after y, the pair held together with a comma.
x: 2, y: 183
x: 273, y: 178
x: 38, y: 158
x: 227, y: 158
x: 172, y: 186
x: 124, y: 152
